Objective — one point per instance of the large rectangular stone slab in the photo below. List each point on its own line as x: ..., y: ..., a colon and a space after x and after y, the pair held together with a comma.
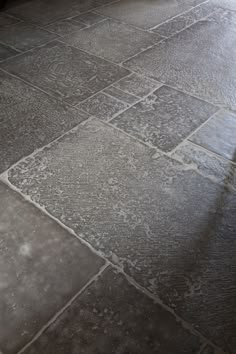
x: 66, y: 72
x: 144, y: 14
x: 165, y: 118
x: 30, y: 119
x: 42, y: 268
x: 111, y: 316
x: 199, y: 60
x: 112, y: 40
x: 168, y: 227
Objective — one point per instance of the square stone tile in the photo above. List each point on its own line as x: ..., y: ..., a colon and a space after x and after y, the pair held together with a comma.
x: 144, y: 14
x: 137, y: 85
x: 121, y: 95
x: 178, y: 23
x: 109, y: 317
x: 29, y: 119
x: 42, y: 268
x: 165, y: 118
x: 6, y: 20
x: 209, y: 165
x: 207, y: 47
x: 89, y: 18
x: 66, y: 72
x: 168, y: 227
x: 103, y: 106
x: 7, y: 52
x: 43, y: 12
x: 65, y: 27
x: 23, y: 36
x: 219, y: 135
x: 112, y: 40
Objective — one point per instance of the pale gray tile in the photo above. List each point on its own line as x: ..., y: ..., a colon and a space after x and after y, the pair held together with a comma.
x: 219, y: 135
x: 207, y: 48
x: 121, y: 95
x: 65, y: 27
x: 23, y: 36
x: 227, y: 4
x: 66, y: 72
x: 137, y: 85
x: 168, y: 227
x: 89, y: 18
x: 165, y: 118
x: 109, y: 317
x: 102, y: 106
x: 29, y: 119
x: 112, y: 40
x: 42, y: 268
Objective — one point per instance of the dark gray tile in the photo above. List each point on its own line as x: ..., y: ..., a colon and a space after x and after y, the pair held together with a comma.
x: 44, y: 12
x: 23, y: 36
x: 165, y: 118
x: 6, y: 20
x: 178, y: 23
x: 42, y: 268
x: 29, y: 119
x: 208, y: 165
x: 137, y: 85
x: 7, y: 52
x: 65, y: 72
x: 121, y: 95
x: 211, y: 350
x: 144, y: 14
x: 112, y: 40
x: 206, y: 49
x: 102, y: 106
x: 89, y: 18
x: 219, y: 135
x: 109, y: 317
x: 65, y: 27
x: 168, y: 227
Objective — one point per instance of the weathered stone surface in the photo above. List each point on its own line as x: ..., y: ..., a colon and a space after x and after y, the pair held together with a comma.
x: 164, y: 118
x: 112, y: 40
x: 111, y: 316
x: 65, y: 27
x: 64, y: 71
x: 167, y: 226
x: 6, y: 52
x: 219, y: 135
x: 42, y: 268
x: 121, y: 95
x: 204, y: 66
x: 89, y: 18
x: 6, y: 20
x: 30, y: 119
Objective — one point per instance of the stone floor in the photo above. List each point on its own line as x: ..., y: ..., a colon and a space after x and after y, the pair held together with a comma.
x: 118, y: 177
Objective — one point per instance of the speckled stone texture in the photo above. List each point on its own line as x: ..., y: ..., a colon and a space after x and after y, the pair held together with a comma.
x: 166, y: 225
x: 112, y: 40
x: 42, y: 267
x: 6, y: 52
x: 110, y: 317
x: 29, y: 119
x: 65, y: 27
x: 164, y: 118
x: 219, y: 135
x: 204, y: 66
x: 64, y: 71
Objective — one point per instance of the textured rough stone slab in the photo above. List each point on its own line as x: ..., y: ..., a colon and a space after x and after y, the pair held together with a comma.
x: 121, y: 95
x: 168, y: 227
x: 205, y: 66
x: 111, y: 316
x: 6, y: 52
x: 23, y: 36
x: 30, y: 119
x: 164, y: 118
x: 103, y: 106
x: 64, y: 71
x: 42, y: 268
x: 43, y: 12
x: 219, y: 135
x: 227, y: 4
x: 65, y: 27
x: 209, y: 165
x: 112, y: 40
x: 144, y: 14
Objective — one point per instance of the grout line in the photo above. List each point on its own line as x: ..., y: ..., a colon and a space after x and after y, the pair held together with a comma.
x: 64, y: 308
x: 202, y: 348
x: 155, y: 298
x: 10, y: 46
